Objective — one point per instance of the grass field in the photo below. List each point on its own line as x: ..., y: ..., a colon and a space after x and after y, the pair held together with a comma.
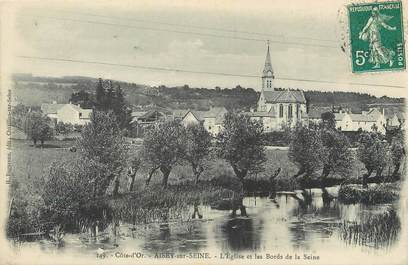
x: 30, y: 163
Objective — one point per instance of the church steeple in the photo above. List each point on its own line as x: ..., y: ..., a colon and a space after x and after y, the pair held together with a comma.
x: 267, y: 74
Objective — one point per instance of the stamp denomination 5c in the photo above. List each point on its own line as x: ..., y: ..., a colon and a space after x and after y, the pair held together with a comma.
x: 376, y: 36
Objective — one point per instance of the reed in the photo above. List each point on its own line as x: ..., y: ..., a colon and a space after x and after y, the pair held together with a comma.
x: 378, y: 231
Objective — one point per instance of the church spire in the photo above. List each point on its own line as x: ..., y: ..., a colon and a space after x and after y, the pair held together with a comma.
x: 268, y: 71
x: 267, y: 74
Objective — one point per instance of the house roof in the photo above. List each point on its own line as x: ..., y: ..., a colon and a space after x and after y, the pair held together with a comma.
x: 285, y: 96
x: 363, y: 118
x: 51, y: 108
x: 215, y: 112
x: 150, y: 113
x: 85, y: 113
x: 180, y: 113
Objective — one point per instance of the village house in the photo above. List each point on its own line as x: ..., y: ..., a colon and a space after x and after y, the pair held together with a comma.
x: 212, y: 119
x: 278, y: 109
x: 366, y: 121
x: 67, y: 113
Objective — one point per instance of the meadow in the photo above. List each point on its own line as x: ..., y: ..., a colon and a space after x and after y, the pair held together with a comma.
x: 30, y: 164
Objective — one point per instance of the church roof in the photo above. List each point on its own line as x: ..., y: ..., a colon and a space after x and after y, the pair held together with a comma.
x: 268, y: 64
x: 285, y: 96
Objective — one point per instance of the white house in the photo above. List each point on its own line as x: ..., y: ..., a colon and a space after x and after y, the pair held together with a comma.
x: 344, y: 121
x: 67, y: 113
x: 51, y: 109
x: 280, y: 108
x: 366, y: 121
x: 74, y: 114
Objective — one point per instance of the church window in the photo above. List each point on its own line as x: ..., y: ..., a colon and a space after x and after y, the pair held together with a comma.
x: 298, y: 111
x: 280, y: 110
x: 290, y: 111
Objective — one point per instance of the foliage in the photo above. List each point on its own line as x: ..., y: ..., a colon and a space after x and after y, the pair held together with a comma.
x: 198, y: 144
x: 71, y: 185
x: 278, y: 138
x: 101, y: 141
x: 372, y: 152
x: 18, y: 115
x: 63, y: 128
x: 83, y: 98
x: 377, y: 193
x: 241, y: 144
x: 164, y: 146
x: 37, y: 127
x: 328, y: 120
x: 154, y: 204
x: 112, y: 99
x: 26, y: 205
x: 338, y: 154
x: 306, y: 150
x: 397, y: 151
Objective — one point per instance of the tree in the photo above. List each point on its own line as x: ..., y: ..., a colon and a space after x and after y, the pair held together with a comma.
x: 120, y: 108
x: 100, y: 95
x: 372, y: 152
x: 113, y: 99
x: 397, y: 152
x: 71, y: 193
x: 134, y: 165
x: 37, y: 127
x: 63, y: 128
x: 328, y: 120
x: 306, y: 150
x: 241, y: 144
x: 102, y: 141
x: 82, y: 98
x: 338, y: 156
x: 163, y: 147
x: 198, y: 144
x: 18, y: 115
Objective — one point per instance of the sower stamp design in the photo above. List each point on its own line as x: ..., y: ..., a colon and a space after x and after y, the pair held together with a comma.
x: 376, y: 36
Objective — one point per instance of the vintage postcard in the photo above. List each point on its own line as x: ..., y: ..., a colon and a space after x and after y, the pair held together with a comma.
x: 203, y: 132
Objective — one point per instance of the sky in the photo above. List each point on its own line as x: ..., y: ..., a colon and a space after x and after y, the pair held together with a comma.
x: 205, y: 36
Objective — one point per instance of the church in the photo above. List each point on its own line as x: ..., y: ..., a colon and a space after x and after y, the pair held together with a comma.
x: 281, y: 108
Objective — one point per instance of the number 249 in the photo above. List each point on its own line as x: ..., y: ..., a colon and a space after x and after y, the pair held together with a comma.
x: 361, y: 57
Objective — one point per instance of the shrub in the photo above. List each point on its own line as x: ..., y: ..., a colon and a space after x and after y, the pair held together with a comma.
x: 349, y: 194
x: 381, y: 193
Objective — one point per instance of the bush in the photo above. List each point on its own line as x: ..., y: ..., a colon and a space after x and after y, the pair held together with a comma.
x: 381, y: 193
x: 277, y: 138
x: 349, y: 194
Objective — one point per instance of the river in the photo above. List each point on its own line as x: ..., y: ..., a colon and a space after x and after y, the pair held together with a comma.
x: 279, y: 225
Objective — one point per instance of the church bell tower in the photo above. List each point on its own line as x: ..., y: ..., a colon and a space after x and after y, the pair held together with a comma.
x: 267, y: 74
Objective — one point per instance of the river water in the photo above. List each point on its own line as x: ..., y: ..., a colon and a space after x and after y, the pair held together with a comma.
x: 279, y: 225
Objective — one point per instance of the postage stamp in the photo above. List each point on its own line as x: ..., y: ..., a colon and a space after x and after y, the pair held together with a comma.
x: 376, y: 37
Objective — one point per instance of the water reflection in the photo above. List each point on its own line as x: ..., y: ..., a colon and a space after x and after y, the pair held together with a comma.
x: 240, y: 234
x: 275, y: 224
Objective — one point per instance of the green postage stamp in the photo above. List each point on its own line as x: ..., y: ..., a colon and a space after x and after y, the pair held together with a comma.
x: 376, y: 36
